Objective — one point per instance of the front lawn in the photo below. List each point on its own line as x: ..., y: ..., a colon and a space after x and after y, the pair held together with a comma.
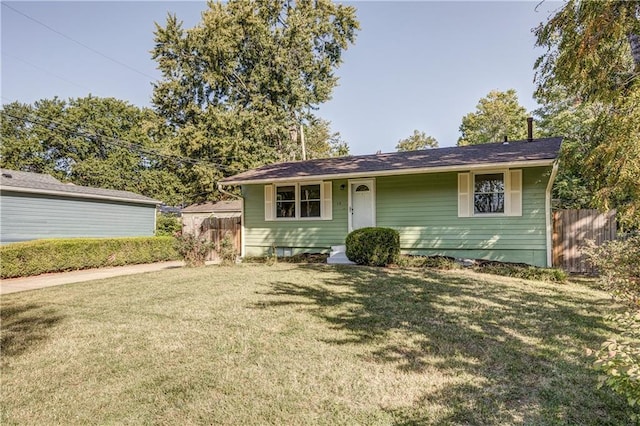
x: 305, y: 344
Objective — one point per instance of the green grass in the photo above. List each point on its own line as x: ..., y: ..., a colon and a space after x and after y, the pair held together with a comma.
x: 305, y: 344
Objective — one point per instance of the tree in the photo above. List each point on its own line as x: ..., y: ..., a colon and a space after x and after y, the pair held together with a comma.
x: 497, y: 115
x: 233, y: 86
x: 593, y: 56
x: 322, y: 143
x: 419, y: 140
x: 99, y: 142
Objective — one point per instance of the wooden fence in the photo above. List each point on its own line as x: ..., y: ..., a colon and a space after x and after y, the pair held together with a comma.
x: 214, y: 230
x: 571, y: 228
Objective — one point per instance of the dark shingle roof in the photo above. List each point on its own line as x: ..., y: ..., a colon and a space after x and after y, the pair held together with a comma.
x: 536, y: 152
x: 217, y: 206
x: 12, y: 180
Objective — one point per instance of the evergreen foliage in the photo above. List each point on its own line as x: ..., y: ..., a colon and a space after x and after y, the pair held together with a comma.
x: 59, y: 255
x: 373, y: 246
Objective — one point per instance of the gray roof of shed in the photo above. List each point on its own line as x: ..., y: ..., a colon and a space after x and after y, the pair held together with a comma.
x: 214, y: 206
x: 523, y: 153
x: 13, y: 180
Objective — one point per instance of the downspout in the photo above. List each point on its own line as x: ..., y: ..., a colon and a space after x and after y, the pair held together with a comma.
x: 242, y: 251
x: 547, y: 204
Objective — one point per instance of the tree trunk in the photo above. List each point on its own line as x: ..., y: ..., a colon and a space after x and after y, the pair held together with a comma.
x: 634, y: 41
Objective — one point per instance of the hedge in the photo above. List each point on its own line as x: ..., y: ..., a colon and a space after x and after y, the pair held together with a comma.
x: 58, y: 255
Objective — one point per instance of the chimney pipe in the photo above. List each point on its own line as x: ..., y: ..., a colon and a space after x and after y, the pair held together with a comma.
x: 530, y: 129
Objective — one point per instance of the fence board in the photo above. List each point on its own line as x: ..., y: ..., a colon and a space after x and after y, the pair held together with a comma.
x: 218, y: 228
x: 571, y: 228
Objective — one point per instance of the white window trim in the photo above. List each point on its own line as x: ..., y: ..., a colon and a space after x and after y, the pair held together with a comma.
x: 298, y: 200
x: 512, y: 197
x: 507, y: 187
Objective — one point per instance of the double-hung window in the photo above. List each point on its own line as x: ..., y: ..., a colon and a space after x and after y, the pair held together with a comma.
x: 310, y: 200
x: 490, y: 193
x: 286, y: 201
x: 298, y: 201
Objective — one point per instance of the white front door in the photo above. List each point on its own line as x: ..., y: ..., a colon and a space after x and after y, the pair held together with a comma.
x: 362, y: 206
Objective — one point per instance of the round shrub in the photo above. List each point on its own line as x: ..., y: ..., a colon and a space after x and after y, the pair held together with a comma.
x: 373, y: 246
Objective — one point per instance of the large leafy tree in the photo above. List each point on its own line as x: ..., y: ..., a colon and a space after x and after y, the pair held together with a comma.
x: 100, y: 142
x: 497, y: 115
x: 234, y: 86
x: 593, y: 59
x: 321, y: 142
x: 418, y: 140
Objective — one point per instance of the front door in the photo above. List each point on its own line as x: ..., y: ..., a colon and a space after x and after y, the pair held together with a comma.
x: 363, y: 204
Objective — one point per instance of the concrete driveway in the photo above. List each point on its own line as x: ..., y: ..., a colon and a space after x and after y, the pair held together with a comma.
x: 13, y: 285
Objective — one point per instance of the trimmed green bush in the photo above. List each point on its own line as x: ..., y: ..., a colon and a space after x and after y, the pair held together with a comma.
x: 58, y: 255
x: 167, y: 225
x: 373, y: 246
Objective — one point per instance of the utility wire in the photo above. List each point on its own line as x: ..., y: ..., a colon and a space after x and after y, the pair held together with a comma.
x: 133, y: 146
x: 44, y: 70
x: 78, y: 42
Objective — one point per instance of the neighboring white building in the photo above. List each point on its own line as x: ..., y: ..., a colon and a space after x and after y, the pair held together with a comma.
x: 195, y: 214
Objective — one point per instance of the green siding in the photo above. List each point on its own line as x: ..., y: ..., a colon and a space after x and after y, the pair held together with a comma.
x: 424, y: 209
x: 34, y: 216
x: 301, y: 235
x: 428, y: 221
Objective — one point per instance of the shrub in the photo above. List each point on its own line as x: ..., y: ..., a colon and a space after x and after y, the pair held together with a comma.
x: 167, y: 225
x: 58, y: 255
x: 521, y: 270
x: 373, y: 246
x: 227, y: 251
x: 436, y: 262
x: 618, y: 267
x: 192, y: 249
x: 620, y: 360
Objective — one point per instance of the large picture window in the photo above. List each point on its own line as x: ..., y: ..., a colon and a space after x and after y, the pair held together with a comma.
x: 488, y: 193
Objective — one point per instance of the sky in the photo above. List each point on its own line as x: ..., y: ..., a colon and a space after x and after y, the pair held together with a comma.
x: 419, y: 65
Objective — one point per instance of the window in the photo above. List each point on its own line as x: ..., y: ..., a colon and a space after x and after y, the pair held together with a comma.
x: 488, y: 193
x: 310, y: 200
x: 298, y: 201
x: 286, y: 201
x: 491, y: 193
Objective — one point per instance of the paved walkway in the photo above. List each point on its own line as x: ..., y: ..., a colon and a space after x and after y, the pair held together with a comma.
x: 13, y: 285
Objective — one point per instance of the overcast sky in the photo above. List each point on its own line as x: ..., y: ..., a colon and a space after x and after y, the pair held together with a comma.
x: 415, y: 65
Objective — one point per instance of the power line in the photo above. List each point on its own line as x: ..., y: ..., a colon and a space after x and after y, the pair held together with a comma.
x: 45, y: 70
x: 122, y: 143
x: 78, y: 42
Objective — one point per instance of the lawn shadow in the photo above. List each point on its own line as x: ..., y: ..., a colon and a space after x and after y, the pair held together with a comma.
x: 524, y: 346
x: 24, y: 326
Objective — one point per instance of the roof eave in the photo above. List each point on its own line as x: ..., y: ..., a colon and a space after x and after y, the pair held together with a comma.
x: 461, y: 167
x: 77, y: 195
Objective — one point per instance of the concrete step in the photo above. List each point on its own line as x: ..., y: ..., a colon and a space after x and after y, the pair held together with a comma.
x: 339, y: 258
x: 338, y: 249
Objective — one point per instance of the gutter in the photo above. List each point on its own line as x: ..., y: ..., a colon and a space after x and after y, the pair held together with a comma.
x: 547, y: 205
x: 221, y: 189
